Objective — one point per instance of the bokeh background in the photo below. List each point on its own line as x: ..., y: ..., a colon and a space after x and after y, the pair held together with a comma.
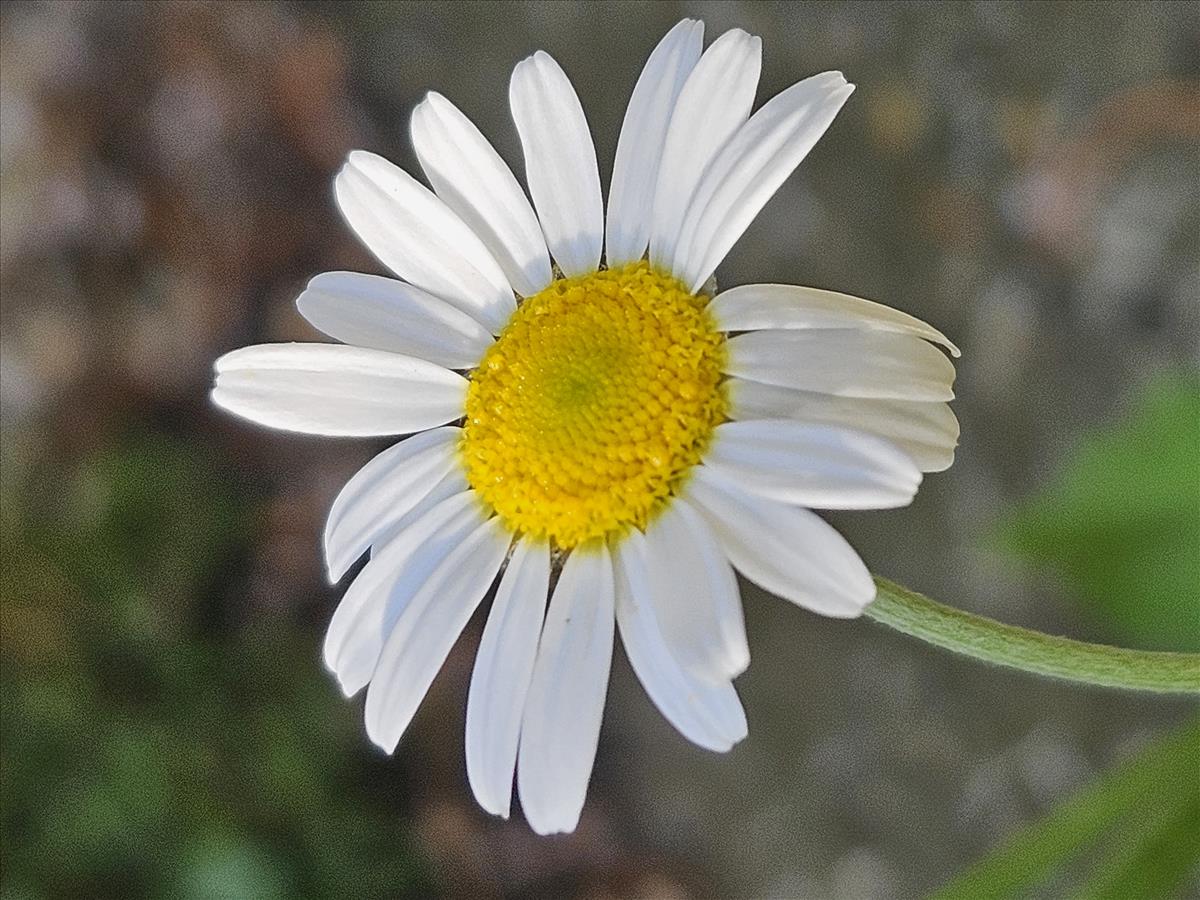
x: 1024, y: 176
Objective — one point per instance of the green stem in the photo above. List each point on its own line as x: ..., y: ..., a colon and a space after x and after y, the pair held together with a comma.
x: 1032, y: 651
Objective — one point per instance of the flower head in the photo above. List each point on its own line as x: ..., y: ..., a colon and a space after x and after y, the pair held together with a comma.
x: 611, y: 439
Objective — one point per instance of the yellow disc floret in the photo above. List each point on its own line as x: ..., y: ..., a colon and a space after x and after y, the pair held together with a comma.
x: 595, y: 401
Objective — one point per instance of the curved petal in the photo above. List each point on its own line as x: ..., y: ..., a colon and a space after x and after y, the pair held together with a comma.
x: 705, y: 713
x: 561, y: 725
x: 789, y: 551
x: 386, y: 585
x: 845, y: 362
x: 503, y: 669
x: 748, y: 170
x: 560, y: 162
x: 419, y: 238
x: 386, y: 314
x: 821, y: 466
x: 928, y: 432
x: 384, y: 490
x: 469, y: 175
x: 695, y: 595
x: 751, y: 307
x: 428, y: 627
x: 713, y: 104
x: 336, y: 390
x: 640, y: 146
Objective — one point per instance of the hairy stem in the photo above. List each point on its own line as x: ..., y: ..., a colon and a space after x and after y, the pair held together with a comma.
x: 1032, y: 651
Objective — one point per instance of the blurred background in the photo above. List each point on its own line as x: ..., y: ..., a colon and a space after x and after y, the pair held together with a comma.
x: 1023, y: 176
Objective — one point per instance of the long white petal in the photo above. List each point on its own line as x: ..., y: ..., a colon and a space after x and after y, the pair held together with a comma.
x: 469, y: 175
x: 503, y: 669
x: 751, y: 307
x: 332, y: 389
x: 640, y: 146
x: 561, y: 725
x: 845, y: 362
x: 713, y: 104
x: 705, y: 713
x: 384, y: 490
x: 788, y: 550
x: 821, y: 466
x: 386, y: 314
x: 428, y: 627
x: 695, y: 595
x: 420, y: 238
x: 928, y: 432
x: 748, y: 170
x: 386, y: 585
x: 560, y: 162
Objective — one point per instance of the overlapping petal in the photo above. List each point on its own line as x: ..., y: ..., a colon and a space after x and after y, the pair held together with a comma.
x: 695, y: 595
x: 561, y: 726
x: 819, y: 466
x: 788, y: 550
x: 386, y: 314
x: 427, y: 628
x: 745, y: 173
x: 714, y: 102
x: 640, y: 146
x: 416, y: 235
x: 706, y: 713
x: 752, y: 307
x: 503, y: 670
x: 383, y: 491
x: 928, y: 432
x: 469, y: 175
x: 383, y: 589
x: 844, y: 362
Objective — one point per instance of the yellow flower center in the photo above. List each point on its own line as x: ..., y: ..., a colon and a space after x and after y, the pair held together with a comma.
x: 599, y: 395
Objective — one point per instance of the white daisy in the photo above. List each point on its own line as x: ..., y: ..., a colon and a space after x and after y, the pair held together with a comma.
x: 611, y: 439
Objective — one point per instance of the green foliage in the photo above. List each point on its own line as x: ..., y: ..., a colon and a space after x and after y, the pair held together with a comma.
x: 1123, y: 522
x: 1123, y: 526
x: 1137, y: 829
x: 156, y: 741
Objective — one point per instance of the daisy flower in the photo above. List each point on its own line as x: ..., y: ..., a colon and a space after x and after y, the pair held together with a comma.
x: 593, y: 426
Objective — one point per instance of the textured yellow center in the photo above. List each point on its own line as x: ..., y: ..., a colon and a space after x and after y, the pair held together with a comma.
x: 598, y: 396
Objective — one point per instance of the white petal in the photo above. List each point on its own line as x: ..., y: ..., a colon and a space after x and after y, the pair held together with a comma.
x: 386, y: 585
x: 787, y: 550
x: 561, y: 725
x: 386, y: 314
x: 469, y: 175
x: 748, y: 170
x: 640, y: 146
x: 384, y: 490
x: 336, y: 390
x: 821, y: 466
x: 695, y: 595
x: 428, y: 627
x: 845, y: 362
x: 928, y: 432
x: 705, y: 713
x: 503, y: 669
x: 419, y: 238
x: 453, y: 482
x: 560, y: 162
x: 714, y: 102
x: 756, y: 306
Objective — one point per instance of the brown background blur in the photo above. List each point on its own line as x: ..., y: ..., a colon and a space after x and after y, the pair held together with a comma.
x: 1023, y: 176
